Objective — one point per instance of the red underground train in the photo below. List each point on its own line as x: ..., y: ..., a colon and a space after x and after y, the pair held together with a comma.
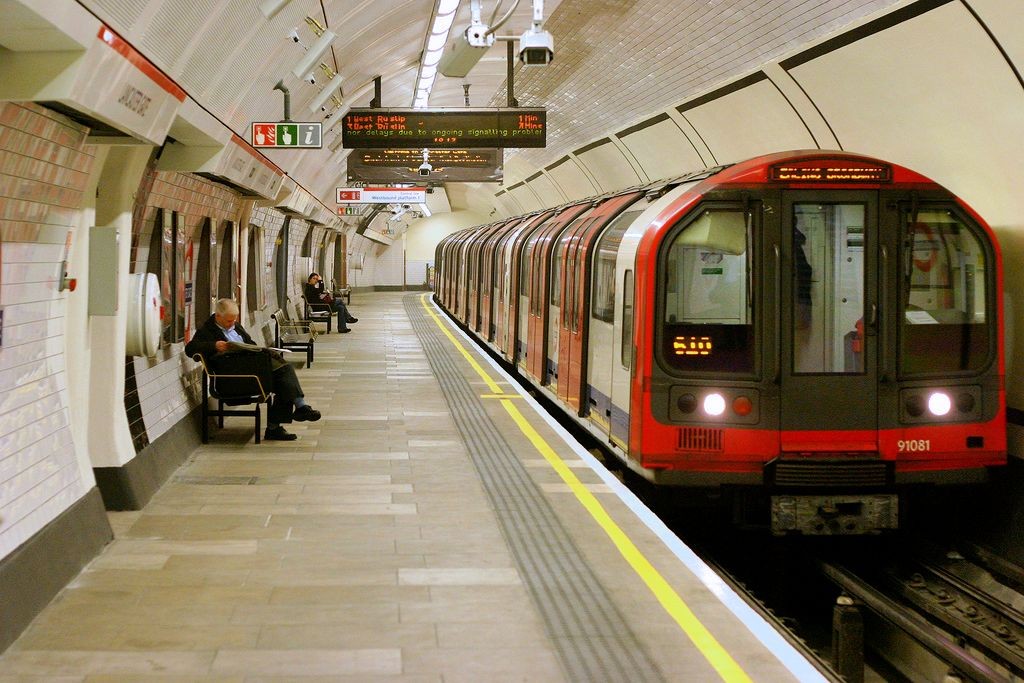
x: 820, y: 329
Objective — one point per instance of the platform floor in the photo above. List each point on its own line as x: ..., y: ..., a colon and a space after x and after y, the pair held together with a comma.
x: 430, y: 528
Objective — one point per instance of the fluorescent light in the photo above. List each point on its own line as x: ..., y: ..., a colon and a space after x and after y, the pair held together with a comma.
x: 425, y: 210
x: 444, y: 17
x: 314, y: 55
x: 270, y: 8
x: 321, y: 99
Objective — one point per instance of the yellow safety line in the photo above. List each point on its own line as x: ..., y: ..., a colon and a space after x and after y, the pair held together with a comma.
x: 500, y: 396
x: 495, y: 389
x: 676, y: 607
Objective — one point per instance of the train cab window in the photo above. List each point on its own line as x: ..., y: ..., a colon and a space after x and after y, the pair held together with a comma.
x: 604, y: 265
x: 827, y: 287
x: 946, y: 324
x: 707, y: 319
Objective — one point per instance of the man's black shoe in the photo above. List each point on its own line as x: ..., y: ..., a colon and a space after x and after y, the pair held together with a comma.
x: 306, y: 414
x: 352, y: 320
x: 279, y: 434
x: 345, y: 331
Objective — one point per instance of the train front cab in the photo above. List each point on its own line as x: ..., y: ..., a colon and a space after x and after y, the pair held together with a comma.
x: 829, y: 342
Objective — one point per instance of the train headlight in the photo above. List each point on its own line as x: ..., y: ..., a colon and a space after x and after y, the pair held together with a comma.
x: 939, y: 404
x: 714, y: 404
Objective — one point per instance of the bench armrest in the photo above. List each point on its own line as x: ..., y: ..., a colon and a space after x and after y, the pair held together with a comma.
x: 213, y: 377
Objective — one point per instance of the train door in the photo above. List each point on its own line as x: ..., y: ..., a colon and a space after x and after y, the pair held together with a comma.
x: 576, y: 311
x: 502, y: 259
x: 829, y: 316
x: 515, y: 346
x: 546, y: 273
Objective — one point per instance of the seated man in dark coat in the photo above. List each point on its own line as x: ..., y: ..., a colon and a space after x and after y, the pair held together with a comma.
x: 319, y: 299
x: 212, y: 340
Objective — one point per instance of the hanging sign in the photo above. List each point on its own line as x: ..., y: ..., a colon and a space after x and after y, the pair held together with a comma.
x: 287, y: 135
x: 382, y: 195
x: 444, y: 128
x: 388, y: 166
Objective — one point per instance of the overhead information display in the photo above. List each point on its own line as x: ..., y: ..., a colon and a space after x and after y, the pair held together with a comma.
x: 444, y: 128
x: 403, y: 165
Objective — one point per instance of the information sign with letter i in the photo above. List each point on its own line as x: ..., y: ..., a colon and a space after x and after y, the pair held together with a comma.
x: 287, y: 135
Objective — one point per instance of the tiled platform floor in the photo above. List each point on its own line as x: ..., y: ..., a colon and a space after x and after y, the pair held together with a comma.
x: 364, y: 551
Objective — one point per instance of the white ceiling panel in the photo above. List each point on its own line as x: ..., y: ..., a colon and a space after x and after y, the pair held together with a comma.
x: 662, y: 149
x: 618, y: 60
x: 752, y: 121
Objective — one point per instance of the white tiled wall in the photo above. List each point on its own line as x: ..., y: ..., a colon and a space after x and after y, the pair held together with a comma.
x: 44, y: 167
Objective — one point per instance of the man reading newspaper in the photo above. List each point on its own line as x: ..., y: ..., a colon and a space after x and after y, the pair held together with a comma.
x: 223, y: 343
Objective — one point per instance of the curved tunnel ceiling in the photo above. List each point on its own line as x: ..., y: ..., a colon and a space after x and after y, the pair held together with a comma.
x: 616, y: 61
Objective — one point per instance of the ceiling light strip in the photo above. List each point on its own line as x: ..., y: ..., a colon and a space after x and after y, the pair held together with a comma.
x: 433, y: 47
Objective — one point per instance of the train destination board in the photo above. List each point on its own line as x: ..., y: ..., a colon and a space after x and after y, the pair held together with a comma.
x: 406, y: 166
x: 445, y: 128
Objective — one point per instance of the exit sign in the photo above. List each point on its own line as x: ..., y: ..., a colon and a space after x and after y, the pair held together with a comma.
x: 287, y: 135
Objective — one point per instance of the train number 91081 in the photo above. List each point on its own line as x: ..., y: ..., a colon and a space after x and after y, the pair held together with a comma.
x: 914, y: 445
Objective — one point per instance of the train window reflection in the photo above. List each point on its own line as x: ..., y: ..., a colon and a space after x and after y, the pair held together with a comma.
x: 604, y: 265
x: 706, y: 293
x: 827, y: 291
x: 945, y: 316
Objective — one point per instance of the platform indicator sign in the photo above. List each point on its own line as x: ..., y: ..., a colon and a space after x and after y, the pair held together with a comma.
x: 382, y: 195
x: 287, y: 135
x: 445, y: 128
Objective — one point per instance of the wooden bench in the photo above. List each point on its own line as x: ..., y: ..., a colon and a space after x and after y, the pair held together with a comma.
x: 294, y: 335
x: 235, y: 390
x: 318, y: 313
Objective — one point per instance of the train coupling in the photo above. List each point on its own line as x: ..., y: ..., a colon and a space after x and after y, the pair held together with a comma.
x: 834, y: 515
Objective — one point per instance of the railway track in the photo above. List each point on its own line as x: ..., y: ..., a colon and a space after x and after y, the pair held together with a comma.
x: 961, y: 612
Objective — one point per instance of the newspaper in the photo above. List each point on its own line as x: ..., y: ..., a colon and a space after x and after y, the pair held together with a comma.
x: 252, y: 348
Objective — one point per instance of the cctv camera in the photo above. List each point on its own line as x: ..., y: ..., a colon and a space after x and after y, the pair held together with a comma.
x: 405, y: 206
x: 425, y: 168
x: 311, y: 79
x: 294, y: 35
x: 536, y: 48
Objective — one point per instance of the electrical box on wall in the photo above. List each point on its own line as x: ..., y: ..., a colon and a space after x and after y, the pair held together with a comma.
x: 103, y: 270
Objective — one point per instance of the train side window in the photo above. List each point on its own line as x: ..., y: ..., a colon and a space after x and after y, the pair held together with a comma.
x: 556, y: 274
x: 524, y: 271
x: 604, y: 265
x: 946, y: 322
x: 627, y: 319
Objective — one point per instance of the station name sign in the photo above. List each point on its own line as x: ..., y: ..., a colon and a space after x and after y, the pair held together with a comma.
x: 287, y: 135
x: 445, y: 128
x: 382, y: 195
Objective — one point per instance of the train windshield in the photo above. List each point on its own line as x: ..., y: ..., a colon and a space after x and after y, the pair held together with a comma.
x: 707, y: 314
x: 945, y: 315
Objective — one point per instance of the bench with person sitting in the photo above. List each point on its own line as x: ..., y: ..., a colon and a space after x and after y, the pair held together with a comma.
x: 319, y: 302
x: 226, y: 348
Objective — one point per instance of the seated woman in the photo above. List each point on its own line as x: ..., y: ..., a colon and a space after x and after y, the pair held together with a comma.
x: 319, y: 298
